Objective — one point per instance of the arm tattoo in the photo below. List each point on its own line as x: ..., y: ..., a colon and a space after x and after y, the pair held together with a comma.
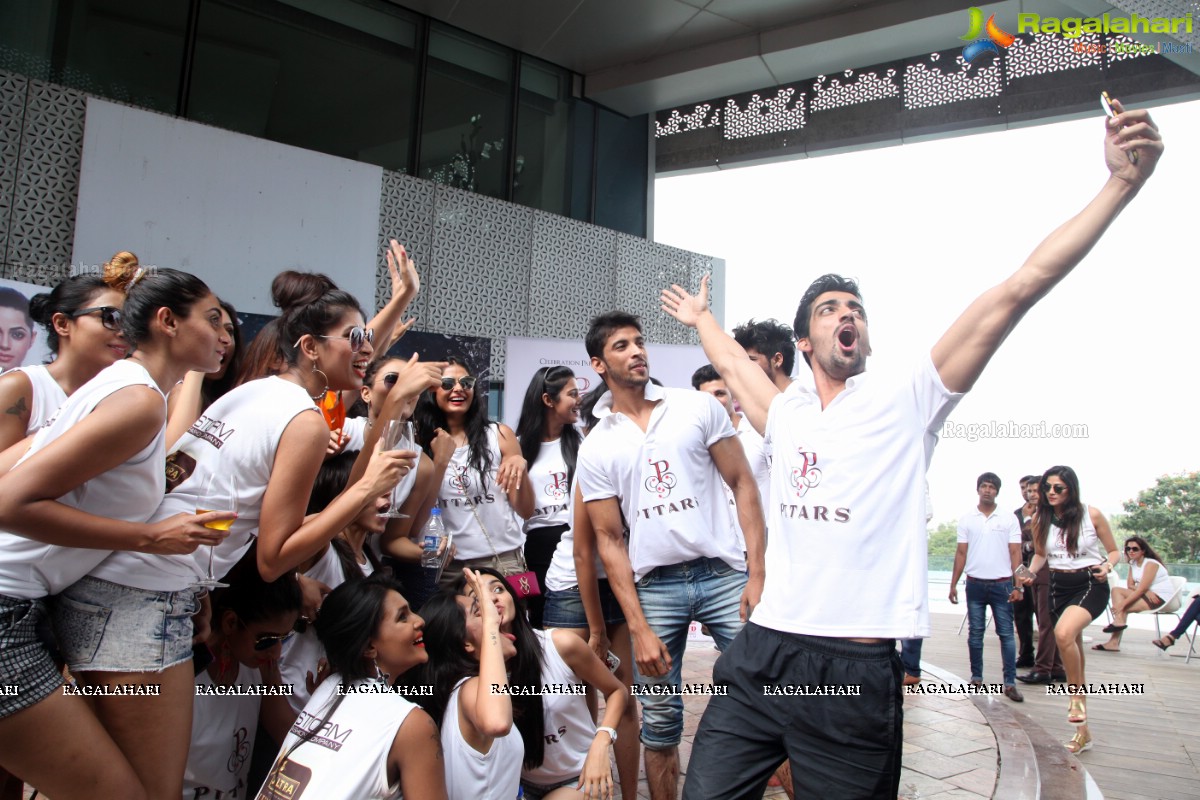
x: 18, y: 408
x: 437, y: 738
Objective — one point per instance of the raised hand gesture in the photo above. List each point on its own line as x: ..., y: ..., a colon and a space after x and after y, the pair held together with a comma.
x: 684, y: 306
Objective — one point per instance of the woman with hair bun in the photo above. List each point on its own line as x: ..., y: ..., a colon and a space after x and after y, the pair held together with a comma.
x: 82, y: 320
x: 87, y: 485
x: 369, y: 634
x: 266, y: 436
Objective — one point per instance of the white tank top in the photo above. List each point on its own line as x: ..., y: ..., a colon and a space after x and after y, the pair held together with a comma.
x: 1162, y: 581
x: 472, y: 775
x: 561, y: 574
x: 1088, y: 549
x: 130, y: 492
x: 46, y: 397
x: 568, y: 729
x: 237, y: 435
x: 460, y: 490
x: 551, y: 494
x: 223, y: 728
x: 302, y: 652
x: 348, y: 757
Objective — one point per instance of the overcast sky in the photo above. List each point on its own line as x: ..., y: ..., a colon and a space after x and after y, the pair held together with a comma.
x: 927, y: 227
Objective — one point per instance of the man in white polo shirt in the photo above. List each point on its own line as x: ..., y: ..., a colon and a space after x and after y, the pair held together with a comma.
x: 989, y: 549
x: 847, y: 548
x: 654, y: 463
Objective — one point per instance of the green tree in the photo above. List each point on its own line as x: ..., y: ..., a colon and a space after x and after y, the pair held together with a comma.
x: 1168, y: 514
x: 943, y: 540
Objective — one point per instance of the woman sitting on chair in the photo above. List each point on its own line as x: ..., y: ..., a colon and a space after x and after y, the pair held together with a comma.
x: 1149, y: 588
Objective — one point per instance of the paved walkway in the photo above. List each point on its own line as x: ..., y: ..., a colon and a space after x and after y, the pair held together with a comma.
x: 1147, y: 747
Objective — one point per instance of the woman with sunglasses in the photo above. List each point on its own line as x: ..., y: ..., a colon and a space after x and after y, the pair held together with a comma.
x: 550, y: 445
x: 252, y: 619
x: 1075, y: 543
x: 387, y: 747
x: 1148, y: 588
x: 484, y: 491
x: 88, y: 484
x: 264, y: 443
x: 82, y: 320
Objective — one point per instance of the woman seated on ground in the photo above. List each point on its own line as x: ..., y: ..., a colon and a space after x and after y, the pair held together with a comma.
x: 482, y: 748
x: 1186, y: 620
x: 566, y: 754
x: 251, y: 620
x: 1149, y: 587
x: 369, y: 634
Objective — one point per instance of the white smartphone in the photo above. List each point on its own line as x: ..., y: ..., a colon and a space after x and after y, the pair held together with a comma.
x: 611, y: 661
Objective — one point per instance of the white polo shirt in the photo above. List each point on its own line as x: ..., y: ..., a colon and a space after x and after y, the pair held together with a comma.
x: 987, y: 537
x: 847, y: 552
x: 664, y: 478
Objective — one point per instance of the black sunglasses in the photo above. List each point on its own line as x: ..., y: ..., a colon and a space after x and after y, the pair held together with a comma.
x: 266, y: 641
x: 1132, y: 548
x: 467, y: 382
x: 390, y: 379
x: 1056, y: 488
x: 110, y: 317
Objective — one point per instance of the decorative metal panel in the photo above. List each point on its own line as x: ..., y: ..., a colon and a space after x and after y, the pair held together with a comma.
x: 928, y: 83
x: 702, y: 116
x: 843, y: 91
x: 1169, y: 9
x: 644, y: 269
x: 572, y: 277
x: 42, y: 226
x: 479, y: 275
x: 1040, y: 55
x: 774, y: 115
x: 1122, y: 48
x: 13, y: 89
x: 406, y: 215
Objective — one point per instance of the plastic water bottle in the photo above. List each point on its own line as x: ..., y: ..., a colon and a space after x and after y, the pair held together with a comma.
x: 434, y: 542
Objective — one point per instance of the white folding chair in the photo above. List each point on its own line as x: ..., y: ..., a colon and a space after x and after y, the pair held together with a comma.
x: 1173, y: 604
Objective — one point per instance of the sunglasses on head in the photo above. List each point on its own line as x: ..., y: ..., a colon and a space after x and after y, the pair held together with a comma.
x: 467, y: 382
x: 1055, y: 488
x: 110, y: 317
x: 358, y: 335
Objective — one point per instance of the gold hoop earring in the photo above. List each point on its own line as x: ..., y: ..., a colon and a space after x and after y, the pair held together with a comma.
x: 324, y: 378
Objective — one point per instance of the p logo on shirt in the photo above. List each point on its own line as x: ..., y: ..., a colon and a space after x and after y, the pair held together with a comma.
x: 662, y: 480
x: 805, y: 476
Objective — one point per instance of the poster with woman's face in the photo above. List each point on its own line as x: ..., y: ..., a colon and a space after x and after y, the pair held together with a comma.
x: 21, y: 341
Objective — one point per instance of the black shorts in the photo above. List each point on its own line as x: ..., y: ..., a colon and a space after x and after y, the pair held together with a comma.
x: 1077, y: 589
x: 28, y: 673
x: 831, y: 706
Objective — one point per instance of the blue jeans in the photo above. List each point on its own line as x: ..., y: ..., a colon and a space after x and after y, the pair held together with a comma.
x: 981, y: 595
x: 706, y: 590
x: 910, y: 656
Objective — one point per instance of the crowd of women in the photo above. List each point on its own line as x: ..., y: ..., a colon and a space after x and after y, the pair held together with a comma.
x: 205, y: 591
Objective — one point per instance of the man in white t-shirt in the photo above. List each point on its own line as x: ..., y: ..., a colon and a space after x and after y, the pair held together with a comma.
x: 654, y: 463
x: 847, y: 515
x: 989, y: 551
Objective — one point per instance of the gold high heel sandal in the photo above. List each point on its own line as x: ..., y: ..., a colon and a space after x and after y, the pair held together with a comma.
x: 1079, y: 742
x: 1077, y: 712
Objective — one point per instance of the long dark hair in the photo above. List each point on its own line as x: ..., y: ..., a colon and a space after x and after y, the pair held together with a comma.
x: 66, y: 298
x: 1147, y: 550
x: 331, y: 481
x: 1071, y: 519
x: 429, y: 417
x: 350, y: 616
x: 210, y: 388
x: 263, y: 355
x: 252, y: 598
x: 449, y: 663
x: 548, y: 381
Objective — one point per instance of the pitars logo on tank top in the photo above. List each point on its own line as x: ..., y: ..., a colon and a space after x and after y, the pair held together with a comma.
x: 459, y: 479
x: 557, y: 487
x: 659, y: 484
x: 803, y: 475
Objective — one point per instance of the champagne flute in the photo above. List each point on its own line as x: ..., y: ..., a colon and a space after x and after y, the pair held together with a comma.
x: 220, y: 494
x: 398, y: 435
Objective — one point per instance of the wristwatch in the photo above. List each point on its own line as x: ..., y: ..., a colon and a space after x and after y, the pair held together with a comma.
x: 612, y: 733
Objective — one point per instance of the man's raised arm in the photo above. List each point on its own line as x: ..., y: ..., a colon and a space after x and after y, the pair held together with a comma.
x: 965, y: 349
x: 750, y: 385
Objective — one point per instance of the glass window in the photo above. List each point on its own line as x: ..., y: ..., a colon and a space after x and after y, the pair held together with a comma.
x: 622, y: 161
x: 127, y: 50
x: 465, y: 125
x: 542, y: 171
x: 336, y: 76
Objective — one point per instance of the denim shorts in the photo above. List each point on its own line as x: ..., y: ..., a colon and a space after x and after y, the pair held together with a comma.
x: 28, y: 673
x: 564, y: 608
x: 107, y: 627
